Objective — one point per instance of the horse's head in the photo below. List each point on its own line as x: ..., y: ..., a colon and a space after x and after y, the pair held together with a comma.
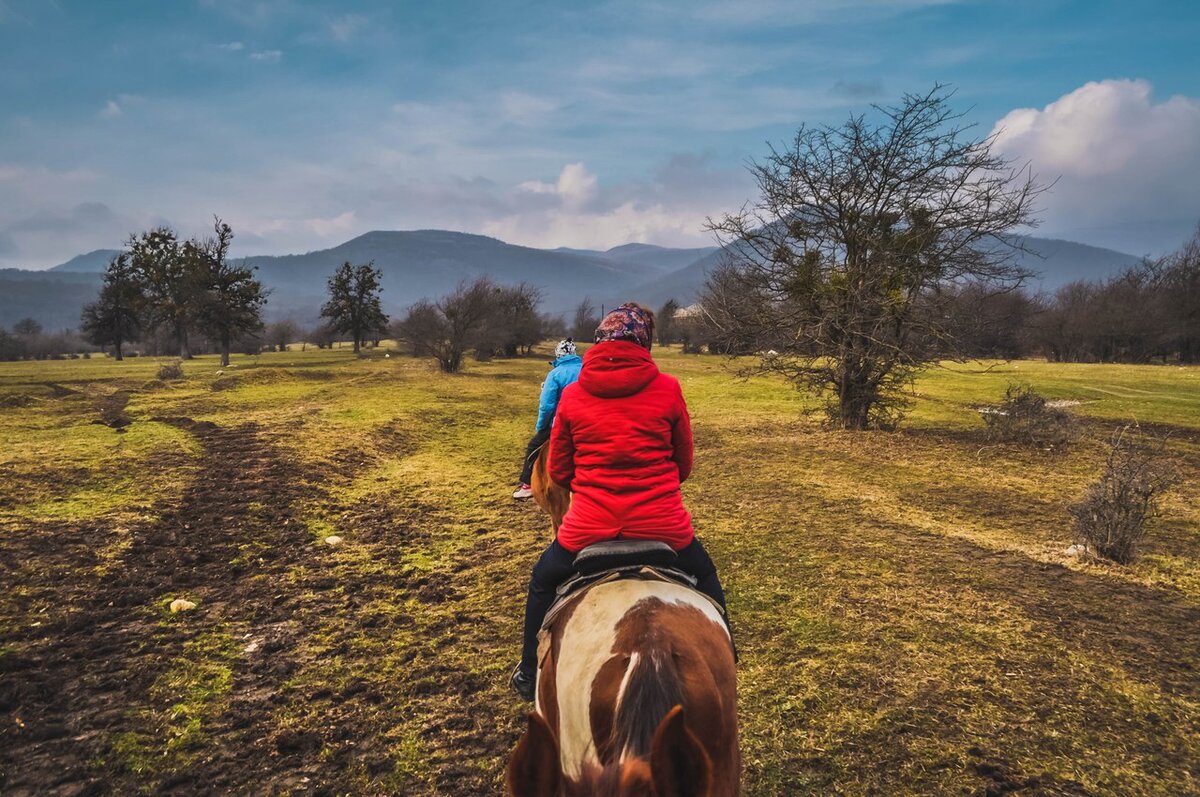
x: 676, y: 767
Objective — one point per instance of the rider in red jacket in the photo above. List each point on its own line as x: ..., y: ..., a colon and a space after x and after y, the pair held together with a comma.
x: 622, y: 443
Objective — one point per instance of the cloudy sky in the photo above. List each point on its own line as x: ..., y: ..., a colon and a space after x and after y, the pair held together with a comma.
x: 555, y: 123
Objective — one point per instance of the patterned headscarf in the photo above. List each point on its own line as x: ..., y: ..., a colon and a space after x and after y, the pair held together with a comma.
x: 627, y: 322
x: 564, y: 348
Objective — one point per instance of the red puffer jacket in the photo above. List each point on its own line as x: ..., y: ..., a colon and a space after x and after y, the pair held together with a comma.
x: 622, y: 442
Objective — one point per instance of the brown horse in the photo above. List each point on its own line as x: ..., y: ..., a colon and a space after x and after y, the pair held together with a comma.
x: 554, y: 500
x: 636, y: 695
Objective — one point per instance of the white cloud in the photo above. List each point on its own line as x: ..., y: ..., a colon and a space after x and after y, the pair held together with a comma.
x: 232, y: 47
x: 267, y: 56
x: 345, y: 27
x: 575, y: 186
x: 337, y: 225
x: 794, y: 12
x: 669, y: 209
x: 111, y: 110
x: 524, y: 109
x: 1126, y: 164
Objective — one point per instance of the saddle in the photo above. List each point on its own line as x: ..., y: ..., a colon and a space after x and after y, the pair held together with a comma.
x: 617, y: 559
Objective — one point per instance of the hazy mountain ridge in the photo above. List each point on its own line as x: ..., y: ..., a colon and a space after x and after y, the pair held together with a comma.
x: 1055, y: 263
x: 429, y: 263
x: 94, y: 261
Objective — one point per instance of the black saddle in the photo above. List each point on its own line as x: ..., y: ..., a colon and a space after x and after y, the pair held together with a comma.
x: 618, y: 559
x: 622, y: 559
x: 615, y: 554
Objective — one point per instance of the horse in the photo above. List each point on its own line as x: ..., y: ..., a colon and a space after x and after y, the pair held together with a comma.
x: 636, y: 695
x: 554, y: 500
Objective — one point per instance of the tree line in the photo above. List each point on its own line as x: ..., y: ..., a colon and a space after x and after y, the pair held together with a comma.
x: 181, y: 296
x: 1148, y: 313
x: 160, y: 285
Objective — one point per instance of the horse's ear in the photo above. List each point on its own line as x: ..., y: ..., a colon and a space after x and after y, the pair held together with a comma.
x: 534, y: 769
x: 678, y: 763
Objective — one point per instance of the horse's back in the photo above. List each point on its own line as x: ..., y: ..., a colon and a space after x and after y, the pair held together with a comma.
x: 619, y: 635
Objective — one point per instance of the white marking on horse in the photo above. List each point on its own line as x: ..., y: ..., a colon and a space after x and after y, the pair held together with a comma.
x: 587, y: 643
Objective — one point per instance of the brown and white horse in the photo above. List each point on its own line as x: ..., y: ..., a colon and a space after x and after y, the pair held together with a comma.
x: 554, y: 500
x: 636, y: 695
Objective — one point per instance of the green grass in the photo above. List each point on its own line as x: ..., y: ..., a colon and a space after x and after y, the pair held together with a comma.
x: 907, y: 618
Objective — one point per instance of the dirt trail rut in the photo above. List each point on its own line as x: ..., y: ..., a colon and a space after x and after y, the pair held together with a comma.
x: 69, y: 685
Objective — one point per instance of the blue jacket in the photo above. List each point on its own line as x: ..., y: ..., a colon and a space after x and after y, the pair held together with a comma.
x: 564, y: 372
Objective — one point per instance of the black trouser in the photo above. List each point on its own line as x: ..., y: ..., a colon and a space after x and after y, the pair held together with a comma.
x: 535, y: 442
x: 557, y: 564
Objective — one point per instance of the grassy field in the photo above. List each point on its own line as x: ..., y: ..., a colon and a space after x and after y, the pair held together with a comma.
x: 908, y: 620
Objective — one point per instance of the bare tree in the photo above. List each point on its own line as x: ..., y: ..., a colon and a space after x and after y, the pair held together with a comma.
x: 27, y: 326
x: 447, y: 329
x: 323, y: 335
x: 585, y: 321
x: 279, y: 334
x: 854, y: 227
x: 514, y: 326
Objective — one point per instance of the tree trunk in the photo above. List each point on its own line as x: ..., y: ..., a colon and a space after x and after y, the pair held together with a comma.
x: 224, y: 351
x: 184, y: 352
x: 357, y: 342
x: 118, y: 351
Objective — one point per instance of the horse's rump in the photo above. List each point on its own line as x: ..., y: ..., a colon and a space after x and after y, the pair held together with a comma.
x: 554, y: 500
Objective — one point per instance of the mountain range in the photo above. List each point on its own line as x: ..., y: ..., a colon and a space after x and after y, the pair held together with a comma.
x: 428, y: 263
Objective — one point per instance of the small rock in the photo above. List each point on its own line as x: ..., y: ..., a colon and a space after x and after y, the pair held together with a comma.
x: 332, y: 539
x: 1076, y: 550
x: 181, y: 605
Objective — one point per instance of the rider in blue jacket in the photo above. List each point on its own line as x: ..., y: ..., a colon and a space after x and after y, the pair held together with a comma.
x: 563, y: 371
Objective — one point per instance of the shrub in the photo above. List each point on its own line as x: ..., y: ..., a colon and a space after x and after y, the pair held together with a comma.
x: 1025, y: 418
x: 170, y: 371
x: 1111, y: 519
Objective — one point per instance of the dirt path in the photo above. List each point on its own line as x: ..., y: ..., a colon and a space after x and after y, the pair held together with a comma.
x: 84, y: 676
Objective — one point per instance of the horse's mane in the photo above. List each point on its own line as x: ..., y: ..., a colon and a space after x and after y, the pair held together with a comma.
x: 651, y: 691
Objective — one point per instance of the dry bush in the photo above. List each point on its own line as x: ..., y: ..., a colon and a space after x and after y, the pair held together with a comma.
x: 1111, y: 519
x: 170, y: 371
x: 1024, y: 418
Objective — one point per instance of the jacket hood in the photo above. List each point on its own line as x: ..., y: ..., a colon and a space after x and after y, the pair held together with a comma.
x: 616, y: 368
x: 566, y: 359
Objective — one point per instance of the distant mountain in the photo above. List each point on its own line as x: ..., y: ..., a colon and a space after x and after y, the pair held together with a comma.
x: 1061, y: 262
x: 1054, y: 262
x: 55, y: 299
x: 92, y: 262
x: 429, y: 263
x: 654, y: 259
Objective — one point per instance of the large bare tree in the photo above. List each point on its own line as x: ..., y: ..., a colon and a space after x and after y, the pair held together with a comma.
x: 450, y: 327
x: 835, y: 267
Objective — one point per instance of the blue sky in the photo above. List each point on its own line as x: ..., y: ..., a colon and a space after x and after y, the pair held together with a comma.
x: 548, y: 124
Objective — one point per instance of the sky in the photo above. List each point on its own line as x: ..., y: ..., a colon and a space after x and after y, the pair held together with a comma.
x: 550, y: 124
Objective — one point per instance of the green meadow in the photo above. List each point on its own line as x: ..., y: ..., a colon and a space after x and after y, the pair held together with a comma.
x: 908, y: 619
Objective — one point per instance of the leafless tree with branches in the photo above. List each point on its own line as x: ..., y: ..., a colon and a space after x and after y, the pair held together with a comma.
x: 835, y: 265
